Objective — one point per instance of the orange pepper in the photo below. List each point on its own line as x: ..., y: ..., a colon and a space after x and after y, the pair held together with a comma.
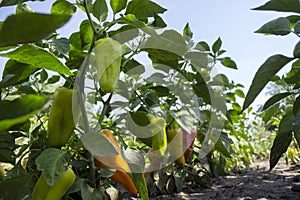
x: 124, y: 180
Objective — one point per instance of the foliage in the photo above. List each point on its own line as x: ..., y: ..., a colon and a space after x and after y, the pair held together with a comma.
x: 281, y: 111
x: 176, y: 90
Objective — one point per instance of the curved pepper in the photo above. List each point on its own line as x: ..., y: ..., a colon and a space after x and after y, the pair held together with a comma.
x: 108, y: 54
x: 176, y: 147
x: 61, y: 123
x: 188, y: 141
x: 42, y: 191
x: 116, y: 162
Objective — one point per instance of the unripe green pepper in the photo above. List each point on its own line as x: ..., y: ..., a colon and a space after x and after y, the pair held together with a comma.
x: 42, y: 191
x: 108, y: 54
x: 61, y: 123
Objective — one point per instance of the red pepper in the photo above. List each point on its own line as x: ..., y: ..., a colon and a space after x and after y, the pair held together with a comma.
x: 188, y: 141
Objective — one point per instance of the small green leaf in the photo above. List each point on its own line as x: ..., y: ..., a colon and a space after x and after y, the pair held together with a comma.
x: 100, y: 10
x: 144, y: 8
x: 297, y: 27
x: 282, y: 140
x: 37, y: 57
x: 23, y: 108
x: 16, y: 73
x: 61, y: 45
x: 279, y: 26
x: 296, y: 52
x: 158, y: 22
x: 29, y: 27
x: 217, y: 45
x: 263, y: 75
x: 276, y: 98
x: 89, y: 193
x: 118, y: 5
x: 281, y: 5
x: 202, y: 46
x: 23, y: 8
x: 228, y: 62
x: 51, y: 162
x: 187, y: 31
x: 98, y: 145
x: 86, y: 34
x: 63, y: 7
x: 239, y: 93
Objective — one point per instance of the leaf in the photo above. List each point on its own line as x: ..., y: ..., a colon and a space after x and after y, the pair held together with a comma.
x: 296, y: 52
x: 279, y: 26
x: 296, y: 125
x: 61, y: 45
x: 269, y: 113
x: 228, y: 62
x: 296, y: 106
x: 37, y: 57
x: 89, y: 193
x: 100, y: 10
x: 17, y: 187
x: 281, y: 5
x: 144, y: 8
x: 63, y: 7
x: 7, y: 147
x: 282, y: 140
x: 133, y: 67
x: 16, y: 73
x: 217, y: 45
x: 140, y: 182
x: 239, y: 93
x: 202, y: 46
x: 98, y: 145
x: 198, y: 59
x: 86, y: 34
x: 118, y: 5
x: 29, y: 27
x: 276, y: 98
x: 13, y: 2
x: 187, y: 31
x: 51, y: 161
x: 23, y: 108
x: 263, y: 75
x: 23, y: 8
x: 158, y: 22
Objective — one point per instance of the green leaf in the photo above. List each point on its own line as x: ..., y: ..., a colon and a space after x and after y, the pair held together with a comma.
x: 158, y: 22
x: 7, y: 147
x: 281, y: 5
x: 297, y: 27
x: 296, y: 126
x: 296, y: 52
x: 63, y: 7
x: 16, y: 73
x: 118, y: 5
x: 140, y: 182
x: 89, y: 193
x: 263, y: 75
x: 51, y: 162
x: 144, y: 8
x: 86, y: 34
x: 217, y: 45
x: 296, y: 106
x: 282, y: 140
x: 198, y: 59
x: 276, y: 98
x: 37, y: 57
x: 13, y: 2
x: 187, y: 31
x: 98, y: 145
x: 23, y: 108
x: 228, y: 62
x: 269, y: 113
x: 239, y: 93
x: 17, y: 187
x: 133, y: 67
x: 279, y: 26
x: 202, y: 46
x: 61, y: 45
x: 29, y: 27
x: 100, y: 10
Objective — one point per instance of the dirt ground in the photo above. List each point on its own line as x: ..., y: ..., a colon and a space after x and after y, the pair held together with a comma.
x: 283, y: 182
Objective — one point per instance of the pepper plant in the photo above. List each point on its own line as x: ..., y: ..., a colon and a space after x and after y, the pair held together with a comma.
x: 122, y: 107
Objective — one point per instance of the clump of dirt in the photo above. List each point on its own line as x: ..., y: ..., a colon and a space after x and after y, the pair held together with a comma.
x: 283, y: 182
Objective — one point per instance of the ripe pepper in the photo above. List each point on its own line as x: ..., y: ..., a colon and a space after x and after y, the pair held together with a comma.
x: 42, y: 191
x: 108, y: 54
x: 188, y: 141
x: 61, y: 123
x: 116, y: 162
x: 176, y: 146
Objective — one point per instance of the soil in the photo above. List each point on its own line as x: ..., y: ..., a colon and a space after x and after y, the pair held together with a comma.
x: 283, y: 182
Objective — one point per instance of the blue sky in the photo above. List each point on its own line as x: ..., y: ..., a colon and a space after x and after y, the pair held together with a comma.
x: 232, y: 20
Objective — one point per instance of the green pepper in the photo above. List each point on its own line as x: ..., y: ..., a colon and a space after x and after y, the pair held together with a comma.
x: 42, y: 191
x: 108, y: 54
x: 176, y: 148
x: 61, y: 123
